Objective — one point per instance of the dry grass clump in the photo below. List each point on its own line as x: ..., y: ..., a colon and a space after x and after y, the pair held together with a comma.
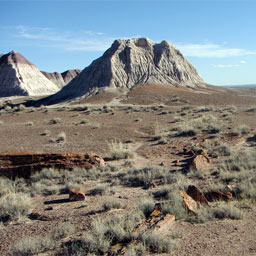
x: 221, y: 210
x: 156, y: 243
x: 30, y: 123
x: 45, y: 133
x: 33, y: 245
x: 106, y: 232
x: 101, y: 189
x: 147, y: 206
x: 61, y: 137
x: 119, y: 150
x: 36, y: 245
x: 14, y: 205
x: 55, y: 120
x: 242, y: 130
x: 111, y: 204
x: 1, y: 123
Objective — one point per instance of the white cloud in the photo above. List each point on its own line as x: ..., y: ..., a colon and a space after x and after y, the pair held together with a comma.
x: 85, y: 40
x: 212, y: 51
x: 226, y: 65
x: 243, y: 62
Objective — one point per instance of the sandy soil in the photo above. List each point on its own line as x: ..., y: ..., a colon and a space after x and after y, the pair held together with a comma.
x: 124, y: 119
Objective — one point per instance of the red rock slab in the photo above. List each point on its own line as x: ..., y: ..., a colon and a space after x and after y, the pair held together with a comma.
x: 217, y: 195
x: 190, y: 203
x: 23, y: 164
x: 197, y: 194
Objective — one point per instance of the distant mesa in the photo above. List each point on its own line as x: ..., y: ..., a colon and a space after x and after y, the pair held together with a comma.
x: 61, y: 79
x: 131, y: 62
x: 19, y: 77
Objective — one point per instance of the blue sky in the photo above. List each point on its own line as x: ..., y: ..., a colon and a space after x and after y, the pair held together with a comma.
x: 217, y: 36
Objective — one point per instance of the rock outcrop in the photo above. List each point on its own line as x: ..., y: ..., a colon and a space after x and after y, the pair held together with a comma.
x: 24, y: 164
x: 61, y: 79
x: 131, y: 62
x: 19, y: 77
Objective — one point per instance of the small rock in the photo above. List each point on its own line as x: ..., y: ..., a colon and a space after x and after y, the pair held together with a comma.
x: 200, y: 162
x: 76, y: 194
x: 38, y: 216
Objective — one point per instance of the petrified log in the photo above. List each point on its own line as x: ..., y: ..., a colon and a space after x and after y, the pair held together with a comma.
x: 197, y: 194
x: 23, y: 164
x: 190, y: 204
x: 216, y: 195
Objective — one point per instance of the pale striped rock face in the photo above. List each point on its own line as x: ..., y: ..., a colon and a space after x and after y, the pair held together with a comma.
x: 61, y: 79
x: 132, y: 62
x: 19, y: 77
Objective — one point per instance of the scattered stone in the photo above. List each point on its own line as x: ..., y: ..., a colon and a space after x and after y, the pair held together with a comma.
x: 49, y: 208
x: 76, y: 194
x: 216, y: 195
x: 190, y: 203
x: 197, y: 194
x: 200, y: 162
x: 38, y: 216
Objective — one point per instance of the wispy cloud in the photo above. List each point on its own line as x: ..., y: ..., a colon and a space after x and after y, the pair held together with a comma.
x: 243, y: 61
x: 226, y: 65
x: 83, y: 40
x: 212, y: 51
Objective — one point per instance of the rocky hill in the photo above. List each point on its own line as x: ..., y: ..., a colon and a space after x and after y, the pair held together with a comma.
x: 131, y: 62
x: 61, y: 79
x: 19, y: 77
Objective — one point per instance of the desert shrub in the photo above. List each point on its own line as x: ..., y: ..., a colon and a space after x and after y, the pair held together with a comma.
x: 111, y: 204
x: 84, y: 122
x: 253, y: 109
x: 29, y: 123
x: 147, y: 207
x: 222, y: 150
x: 220, y: 210
x: 61, y: 137
x: 33, y: 245
x: 101, y: 189
x: 6, y: 187
x: 45, y: 187
x: 157, y: 243
x: 242, y: 130
x: 45, y: 133
x: 175, y: 204
x: 186, y: 130
x: 55, y: 120
x: 46, y: 173
x: 1, y: 123
x: 63, y: 230
x: 252, y: 138
x: 143, y: 176
x: 119, y: 150
x: 14, y: 205
x: 108, y: 231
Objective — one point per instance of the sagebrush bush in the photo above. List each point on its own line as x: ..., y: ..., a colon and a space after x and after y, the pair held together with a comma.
x: 119, y: 150
x: 111, y: 204
x: 14, y: 205
x: 157, y: 243
x: 55, y: 120
x: 33, y: 245
x: 147, y: 207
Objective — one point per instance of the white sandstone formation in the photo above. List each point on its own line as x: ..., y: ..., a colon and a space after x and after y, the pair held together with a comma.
x: 61, y: 79
x: 19, y: 77
x: 131, y: 62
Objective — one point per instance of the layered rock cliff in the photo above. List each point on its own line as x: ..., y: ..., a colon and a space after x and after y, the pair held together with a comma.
x: 130, y: 62
x: 61, y: 79
x: 19, y: 77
